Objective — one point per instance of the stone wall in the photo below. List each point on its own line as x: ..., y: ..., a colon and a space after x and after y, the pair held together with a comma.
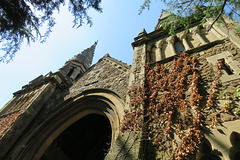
x: 228, y: 83
x: 108, y: 73
x: 19, y: 112
x: 137, y: 70
x: 208, y: 73
x: 166, y: 46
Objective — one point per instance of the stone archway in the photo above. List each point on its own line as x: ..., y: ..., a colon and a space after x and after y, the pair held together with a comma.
x: 88, y: 138
x: 97, y: 105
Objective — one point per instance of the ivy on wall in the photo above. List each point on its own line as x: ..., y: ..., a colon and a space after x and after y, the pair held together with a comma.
x: 167, y: 108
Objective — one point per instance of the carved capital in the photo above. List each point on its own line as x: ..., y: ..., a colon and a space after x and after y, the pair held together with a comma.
x: 182, y: 36
x: 160, y: 43
x: 150, y: 47
x: 195, y: 30
x: 170, y: 39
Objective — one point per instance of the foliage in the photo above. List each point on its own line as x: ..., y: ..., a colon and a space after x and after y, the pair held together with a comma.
x: 167, y: 108
x: 230, y: 105
x: 186, y: 11
x: 173, y: 22
x: 237, y: 94
x: 162, y: 109
x: 22, y: 20
x: 146, y: 4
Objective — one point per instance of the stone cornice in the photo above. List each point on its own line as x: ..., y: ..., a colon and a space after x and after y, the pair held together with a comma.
x: 139, y: 40
x: 194, y: 50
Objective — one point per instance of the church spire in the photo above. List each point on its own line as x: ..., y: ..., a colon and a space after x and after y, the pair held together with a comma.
x: 85, y: 57
x: 78, y: 64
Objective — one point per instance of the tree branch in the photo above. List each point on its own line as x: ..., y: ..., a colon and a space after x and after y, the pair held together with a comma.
x: 189, y: 3
x: 233, y: 10
x: 220, y: 13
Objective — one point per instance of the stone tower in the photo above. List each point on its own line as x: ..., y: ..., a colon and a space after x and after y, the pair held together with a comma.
x: 103, y: 111
x: 78, y: 64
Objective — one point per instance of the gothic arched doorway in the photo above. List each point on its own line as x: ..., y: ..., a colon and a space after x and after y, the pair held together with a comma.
x: 88, y: 138
x: 97, y: 111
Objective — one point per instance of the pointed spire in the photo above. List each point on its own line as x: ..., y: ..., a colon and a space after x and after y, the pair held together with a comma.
x: 85, y: 57
x: 143, y: 32
x: 164, y: 15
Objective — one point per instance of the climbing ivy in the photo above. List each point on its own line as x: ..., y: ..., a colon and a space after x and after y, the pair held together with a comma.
x: 167, y: 108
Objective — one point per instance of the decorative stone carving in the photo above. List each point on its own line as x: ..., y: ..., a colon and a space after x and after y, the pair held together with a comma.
x: 152, y: 53
x: 182, y: 37
x: 196, y: 33
x: 228, y: 60
x: 213, y: 31
x: 170, y: 41
x: 159, y: 45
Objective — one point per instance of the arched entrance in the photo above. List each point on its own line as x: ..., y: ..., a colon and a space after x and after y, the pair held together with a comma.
x: 98, y: 112
x: 88, y: 138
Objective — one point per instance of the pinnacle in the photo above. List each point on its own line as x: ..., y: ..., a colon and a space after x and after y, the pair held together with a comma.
x: 85, y: 57
x: 164, y: 14
x: 143, y: 32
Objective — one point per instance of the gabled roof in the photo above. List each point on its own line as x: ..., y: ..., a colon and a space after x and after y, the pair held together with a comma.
x: 108, y: 73
x: 125, y: 65
x: 164, y: 15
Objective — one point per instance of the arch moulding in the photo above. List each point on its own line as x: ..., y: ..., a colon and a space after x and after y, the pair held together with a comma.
x: 96, y: 101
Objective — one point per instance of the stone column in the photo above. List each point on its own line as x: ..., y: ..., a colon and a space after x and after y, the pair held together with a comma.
x: 170, y: 41
x: 158, y: 58
x: 196, y: 33
x: 159, y: 55
x: 182, y: 37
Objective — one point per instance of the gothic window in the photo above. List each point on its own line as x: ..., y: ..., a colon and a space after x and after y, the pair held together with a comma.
x: 225, y: 66
x: 70, y: 72
x: 229, y: 67
x: 152, y: 54
x: 87, y: 138
x: 178, y: 46
x: 163, y: 50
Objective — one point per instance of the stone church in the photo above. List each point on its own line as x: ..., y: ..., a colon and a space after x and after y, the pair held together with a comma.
x: 78, y: 111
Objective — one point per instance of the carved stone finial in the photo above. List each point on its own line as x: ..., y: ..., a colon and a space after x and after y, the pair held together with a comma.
x: 182, y: 36
x: 107, y: 55
x: 160, y: 43
x: 143, y: 32
x: 170, y: 39
x: 164, y: 14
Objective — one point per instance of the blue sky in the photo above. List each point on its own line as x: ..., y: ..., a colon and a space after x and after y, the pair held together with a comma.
x: 114, y: 29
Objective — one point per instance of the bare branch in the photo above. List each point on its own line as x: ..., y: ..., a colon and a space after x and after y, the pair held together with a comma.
x: 220, y: 13
x: 189, y: 3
